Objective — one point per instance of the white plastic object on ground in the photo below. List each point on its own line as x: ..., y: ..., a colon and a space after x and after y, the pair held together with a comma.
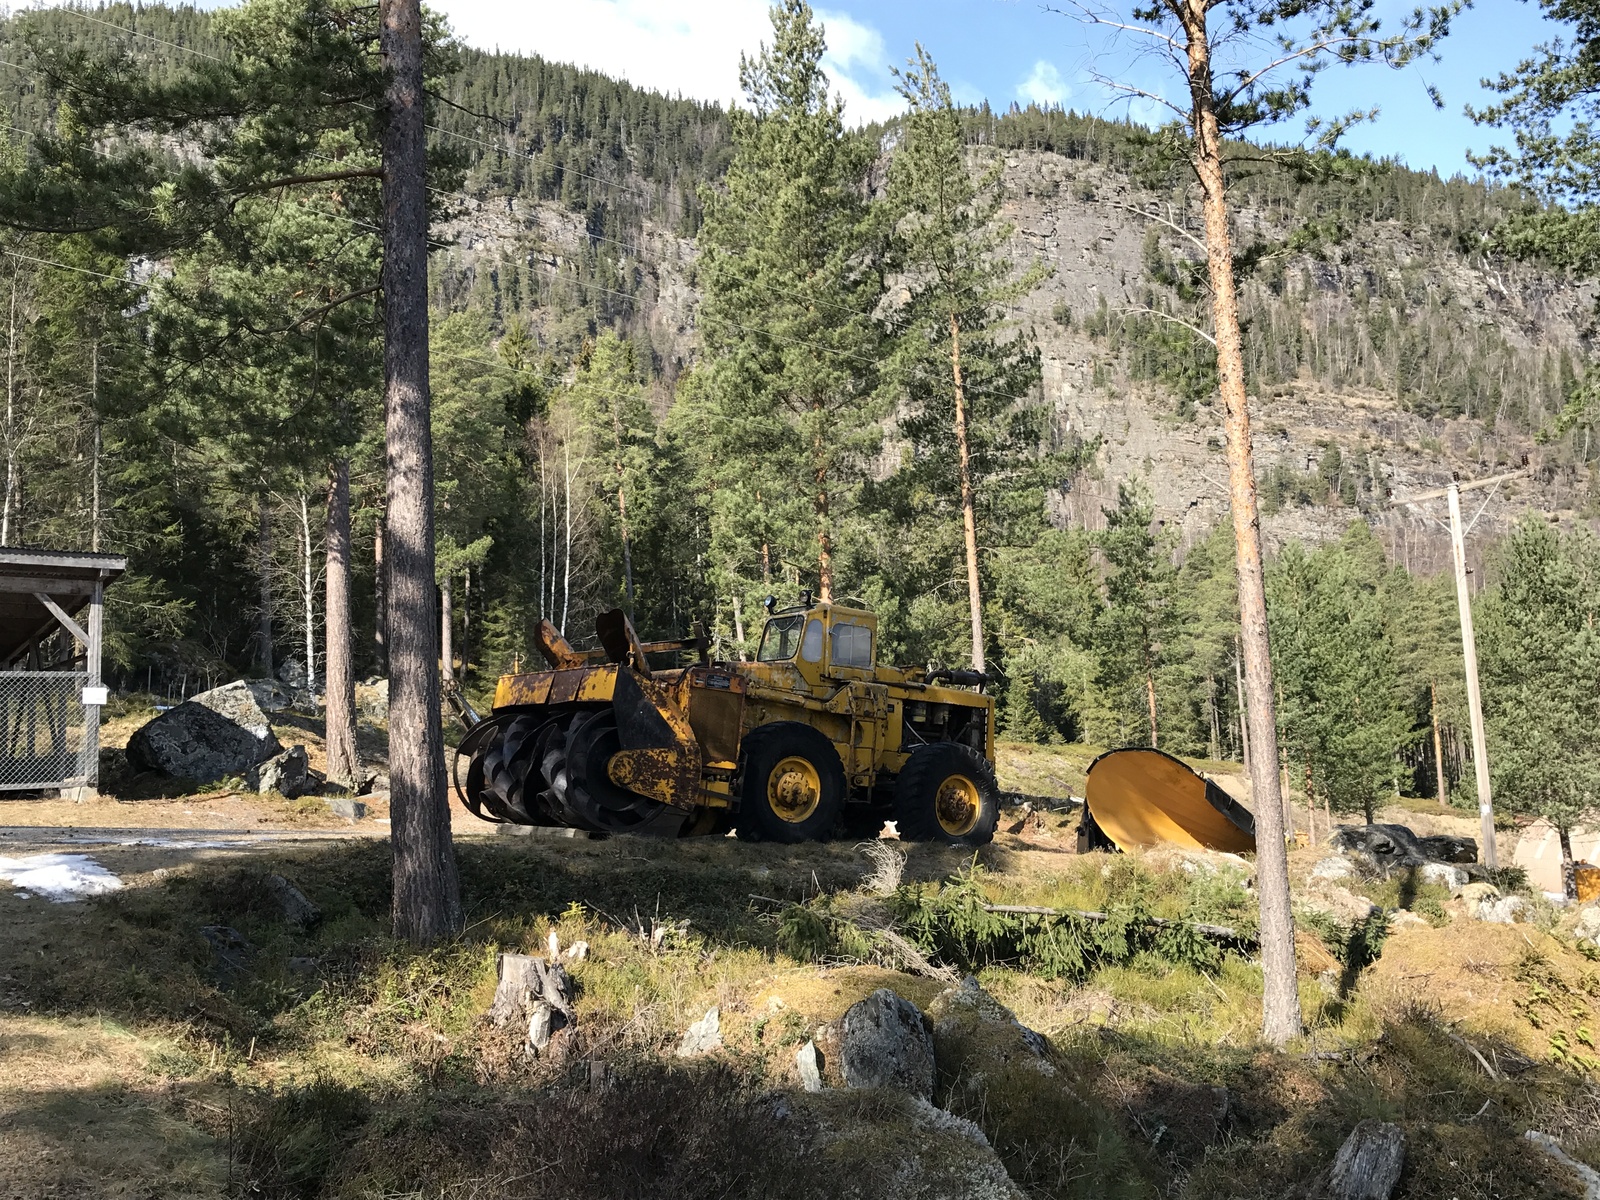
x: 58, y: 877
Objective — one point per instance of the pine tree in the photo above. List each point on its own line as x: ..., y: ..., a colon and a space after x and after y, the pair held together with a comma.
x: 1540, y: 660
x: 1137, y: 624
x: 788, y: 266
x: 960, y: 377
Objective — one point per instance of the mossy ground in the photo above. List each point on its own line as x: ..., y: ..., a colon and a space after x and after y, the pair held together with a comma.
x: 343, y: 1064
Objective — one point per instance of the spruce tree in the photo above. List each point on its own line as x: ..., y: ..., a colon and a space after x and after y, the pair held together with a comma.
x: 789, y: 268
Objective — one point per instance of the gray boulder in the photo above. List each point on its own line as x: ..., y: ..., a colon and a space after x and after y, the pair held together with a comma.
x: 1385, y: 849
x: 885, y: 1042
x: 702, y: 1037
x: 288, y: 774
x: 194, y: 741
x: 237, y: 702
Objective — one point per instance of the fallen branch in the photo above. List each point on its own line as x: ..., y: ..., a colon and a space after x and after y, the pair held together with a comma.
x: 1222, y: 932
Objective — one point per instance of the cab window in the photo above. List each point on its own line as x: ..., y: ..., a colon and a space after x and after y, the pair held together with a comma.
x: 852, y: 646
x: 781, y: 638
x: 811, y: 647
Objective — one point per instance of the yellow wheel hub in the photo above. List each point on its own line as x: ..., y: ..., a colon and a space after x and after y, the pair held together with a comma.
x: 957, y: 804
x: 794, y: 789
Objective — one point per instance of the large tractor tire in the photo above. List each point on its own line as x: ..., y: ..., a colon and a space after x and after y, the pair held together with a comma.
x: 947, y: 793
x: 791, y: 785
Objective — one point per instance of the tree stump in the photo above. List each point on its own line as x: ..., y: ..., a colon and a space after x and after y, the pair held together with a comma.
x: 536, y: 994
x: 1368, y: 1165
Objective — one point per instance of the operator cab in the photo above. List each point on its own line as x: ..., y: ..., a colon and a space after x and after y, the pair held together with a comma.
x: 822, y: 640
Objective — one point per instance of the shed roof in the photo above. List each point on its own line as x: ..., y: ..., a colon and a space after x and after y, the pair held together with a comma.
x: 66, y: 576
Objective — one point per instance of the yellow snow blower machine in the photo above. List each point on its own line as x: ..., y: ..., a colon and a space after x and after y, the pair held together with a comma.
x: 810, y: 740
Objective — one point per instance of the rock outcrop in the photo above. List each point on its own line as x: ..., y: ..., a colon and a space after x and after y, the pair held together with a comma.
x: 884, y: 1042
x: 237, y: 702
x: 193, y: 741
x: 288, y: 774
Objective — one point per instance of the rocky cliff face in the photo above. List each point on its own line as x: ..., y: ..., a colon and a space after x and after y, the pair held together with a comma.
x: 1089, y: 224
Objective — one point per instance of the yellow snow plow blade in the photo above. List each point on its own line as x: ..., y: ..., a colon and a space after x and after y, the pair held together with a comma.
x: 1146, y: 797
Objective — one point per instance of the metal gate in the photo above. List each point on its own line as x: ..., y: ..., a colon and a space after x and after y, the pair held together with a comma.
x: 43, y: 742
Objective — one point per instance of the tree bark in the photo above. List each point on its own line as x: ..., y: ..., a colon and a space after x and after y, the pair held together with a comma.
x: 94, y: 469
x: 1569, y: 869
x: 380, y: 597
x: 1280, y: 989
x: 447, y: 622
x: 264, y: 588
x: 427, y: 892
x: 310, y: 598
x: 11, y: 438
x: 969, y: 516
x: 1150, y: 700
x: 824, y: 533
x: 622, y: 505
x: 344, y: 762
x: 1442, y: 784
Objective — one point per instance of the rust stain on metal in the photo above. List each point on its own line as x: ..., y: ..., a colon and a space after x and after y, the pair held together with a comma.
x: 557, y: 651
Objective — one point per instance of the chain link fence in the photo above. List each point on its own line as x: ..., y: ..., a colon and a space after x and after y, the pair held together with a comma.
x: 43, y: 742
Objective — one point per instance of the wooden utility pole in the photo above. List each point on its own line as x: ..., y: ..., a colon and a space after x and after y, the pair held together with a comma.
x: 1469, y: 645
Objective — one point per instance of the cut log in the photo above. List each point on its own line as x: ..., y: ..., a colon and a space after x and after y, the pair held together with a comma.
x: 1222, y: 932
x: 1368, y: 1165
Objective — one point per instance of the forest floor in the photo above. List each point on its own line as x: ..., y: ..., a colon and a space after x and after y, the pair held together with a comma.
x: 138, y: 1061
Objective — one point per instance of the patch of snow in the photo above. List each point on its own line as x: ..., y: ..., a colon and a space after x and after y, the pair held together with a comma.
x: 58, y: 877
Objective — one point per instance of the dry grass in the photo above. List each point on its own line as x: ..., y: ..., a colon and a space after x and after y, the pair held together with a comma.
x: 372, y: 1073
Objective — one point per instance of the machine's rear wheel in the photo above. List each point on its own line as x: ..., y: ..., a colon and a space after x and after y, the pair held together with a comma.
x: 791, y: 784
x: 947, y: 794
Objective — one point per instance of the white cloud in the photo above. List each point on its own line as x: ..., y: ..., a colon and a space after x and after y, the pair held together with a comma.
x: 690, y: 47
x: 1044, y: 85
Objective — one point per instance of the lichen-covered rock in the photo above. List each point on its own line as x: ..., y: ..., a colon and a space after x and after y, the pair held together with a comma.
x: 1445, y: 875
x: 193, y: 741
x: 1031, y: 1105
x: 1340, y: 903
x: 1507, y: 910
x: 237, y: 702
x: 702, y: 1037
x: 884, y: 1042
x: 1588, y: 927
x: 897, y: 1147
x: 288, y: 774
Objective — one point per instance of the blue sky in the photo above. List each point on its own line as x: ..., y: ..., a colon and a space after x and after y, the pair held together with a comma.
x: 1000, y: 50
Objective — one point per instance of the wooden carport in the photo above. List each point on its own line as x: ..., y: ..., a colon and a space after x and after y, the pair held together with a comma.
x: 51, y: 616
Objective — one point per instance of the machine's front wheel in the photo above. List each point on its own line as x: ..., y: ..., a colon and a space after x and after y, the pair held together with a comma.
x: 791, y: 784
x: 947, y: 794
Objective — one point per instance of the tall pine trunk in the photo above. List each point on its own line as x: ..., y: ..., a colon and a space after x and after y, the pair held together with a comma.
x: 1280, y: 989
x: 819, y: 474
x: 307, y: 592
x: 8, y: 507
x: 969, y: 516
x: 622, y: 507
x: 1438, y: 745
x: 1569, y: 869
x: 339, y: 690
x: 1150, y: 701
x: 447, y: 629
x: 427, y: 891
x: 264, y: 587
x: 380, y: 597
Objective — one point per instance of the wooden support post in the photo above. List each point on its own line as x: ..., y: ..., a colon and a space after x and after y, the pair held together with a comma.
x: 91, y: 712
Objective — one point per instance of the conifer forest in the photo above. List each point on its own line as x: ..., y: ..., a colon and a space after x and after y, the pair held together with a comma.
x: 654, y: 384
x: 398, y: 368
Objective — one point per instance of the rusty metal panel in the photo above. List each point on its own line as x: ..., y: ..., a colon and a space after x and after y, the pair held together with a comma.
x: 516, y: 690
x: 715, y: 700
